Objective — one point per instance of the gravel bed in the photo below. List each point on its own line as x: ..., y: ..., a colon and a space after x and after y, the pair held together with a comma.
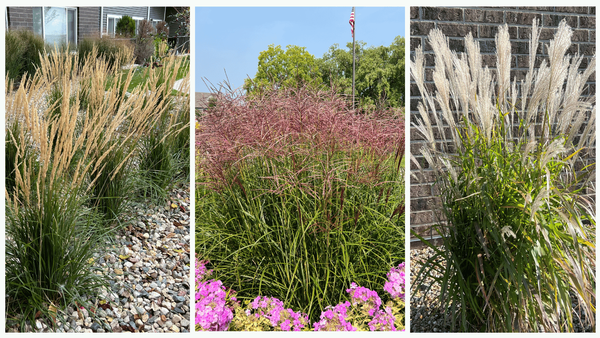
x: 149, y: 268
x: 426, y: 313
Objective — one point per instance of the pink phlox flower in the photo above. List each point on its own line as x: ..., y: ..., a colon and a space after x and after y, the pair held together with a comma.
x: 279, y: 317
x: 285, y: 326
x: 383, y: 320
x: 364, y: 295
x: 212, y: 312
x: 396, y: 282
x: 334, y: 319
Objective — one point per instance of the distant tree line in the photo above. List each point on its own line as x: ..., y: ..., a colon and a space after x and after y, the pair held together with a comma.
x: 379, y: 78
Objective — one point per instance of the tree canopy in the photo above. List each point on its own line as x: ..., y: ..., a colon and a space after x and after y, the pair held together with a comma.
x: 379, y: 75
x: 278, y: 68
x: 379, y: 71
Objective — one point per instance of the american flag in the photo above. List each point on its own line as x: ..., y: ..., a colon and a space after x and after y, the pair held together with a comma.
x: 352, y: 21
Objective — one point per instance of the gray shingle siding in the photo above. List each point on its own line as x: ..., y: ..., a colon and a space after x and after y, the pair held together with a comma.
x: 141, y: 12
x: 157, y: 13
x: 88, y: 22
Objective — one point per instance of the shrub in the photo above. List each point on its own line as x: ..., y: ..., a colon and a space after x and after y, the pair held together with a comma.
x: 125, y: 26
x: 297, y: 196
x: 162, y: 30
x: 511, y: 171
x: 22, y: 53
x: 144, y: 42
x: 161, y: 48
x: 116, y: 52
x: 14, y: 49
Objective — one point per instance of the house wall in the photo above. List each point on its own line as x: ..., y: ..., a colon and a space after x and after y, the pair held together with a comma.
x: 141, y: 12
x: 88, y: 22
x: 483, y: 22
x: 157, y: 13
x: 20, y: 18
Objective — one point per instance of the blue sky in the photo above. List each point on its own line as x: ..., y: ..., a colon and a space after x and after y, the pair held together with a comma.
x: 231, y: 38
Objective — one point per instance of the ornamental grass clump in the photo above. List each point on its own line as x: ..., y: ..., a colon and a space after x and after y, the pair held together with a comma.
x: 298, y: 196
x: 66, y: 165
x: 164, y: 149
x: 512, y: 167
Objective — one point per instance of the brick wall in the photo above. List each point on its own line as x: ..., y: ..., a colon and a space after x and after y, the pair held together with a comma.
x: 20, y: 18
x: 483, y: 23
x: 88, y: 24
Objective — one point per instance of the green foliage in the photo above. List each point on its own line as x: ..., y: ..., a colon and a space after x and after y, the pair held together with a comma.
x: 182, y: 18
x: 115, y: 52
x: 15, y: 143
x: 302, y: 249
x: 283, y: 69
x: 245, y: 319
x: 112, y: 183
x: 156, y: 162
x: 512, y: 174
x: 379, y: 77
x: 22, y: 53
x: 379, y: 74
x: 49, y: 255
x: 126, y: 26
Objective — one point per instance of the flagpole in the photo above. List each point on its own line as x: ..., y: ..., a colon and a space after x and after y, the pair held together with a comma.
x: 353, y: 57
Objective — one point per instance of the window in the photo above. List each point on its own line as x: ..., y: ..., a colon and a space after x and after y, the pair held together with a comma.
x: 111, y: 23
x: 137, y: 23
x: 57, y: 25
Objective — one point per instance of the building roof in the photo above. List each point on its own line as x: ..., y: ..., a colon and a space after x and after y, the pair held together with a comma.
x: 202, y: 100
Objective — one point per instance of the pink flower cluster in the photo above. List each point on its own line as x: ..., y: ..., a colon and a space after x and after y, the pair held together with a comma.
x: 367, y: 298
x: 396, y: 283
x: 279, y: 317
x: 334, y: 318
x: 214, y: 307
x: 364, y: 302
x: 212, y: 312
x: 383, y: 320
